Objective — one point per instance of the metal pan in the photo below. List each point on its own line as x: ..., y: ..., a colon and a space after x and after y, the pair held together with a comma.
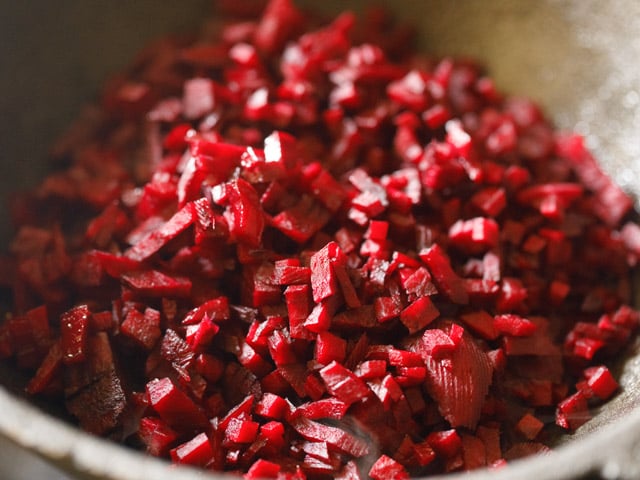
x: 578, y: 58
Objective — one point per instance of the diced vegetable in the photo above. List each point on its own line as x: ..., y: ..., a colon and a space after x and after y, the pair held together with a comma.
x: 294, y: 249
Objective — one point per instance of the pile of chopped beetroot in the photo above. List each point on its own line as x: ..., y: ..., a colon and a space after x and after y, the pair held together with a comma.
x: 291, y: 248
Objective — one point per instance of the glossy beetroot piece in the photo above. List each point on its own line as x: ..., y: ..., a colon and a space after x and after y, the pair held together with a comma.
x: 293, y: 249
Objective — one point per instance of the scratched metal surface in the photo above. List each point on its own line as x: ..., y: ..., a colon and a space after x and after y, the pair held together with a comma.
x: 579, y: 58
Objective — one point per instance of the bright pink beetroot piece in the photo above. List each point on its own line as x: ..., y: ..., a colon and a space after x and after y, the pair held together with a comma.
x: 294, y: 249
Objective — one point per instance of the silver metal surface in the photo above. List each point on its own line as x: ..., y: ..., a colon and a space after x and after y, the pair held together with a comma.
x: 579, y: 58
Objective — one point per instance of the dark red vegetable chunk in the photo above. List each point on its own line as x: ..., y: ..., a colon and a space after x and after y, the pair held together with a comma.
x: 74, y: 326
x: 291, y: 249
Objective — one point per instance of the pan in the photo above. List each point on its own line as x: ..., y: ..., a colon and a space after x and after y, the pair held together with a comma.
x: 577, y: 58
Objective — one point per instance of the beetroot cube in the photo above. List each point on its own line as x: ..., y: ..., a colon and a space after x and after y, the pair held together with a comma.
x: 303, y: 220
x: 601, y: 382
x: 244, y: 214
x: 386, y: 308
x: 529, y: 426
x: 323, y: 281
x: 512, y: 295
x: 349, y: 472
x: 343, y: 384
x: 272, y: 406
x: 323, y: 408
x: 154, y: 283
x: 573, y: 411
x: 156, y: 435
x: 281, y: 348
x: 460, y: 382
x: 200, y: 335
x: 47, y: 371
x: 377, y: 230
x: 241, y: 431
x: 209, y: 366
x: 241, y: 410
x: 279, y: 22
x: 348, y: 290
x: 447, y: 281
x: 334, y: 436
x: 481, y: 323
x: 286, y: 274
x: 473, y: 452
x: 587, y: 347
x: 143, y: 328
x: 217, y: 309
x: 319, y: 320
x: 436, y: 343
x: 158, y: 238
x: 419, y: 314
x: 273, y: 433
x: 329, y: 348
x: 423, y: 453
x: 386, y: 467
x: 417, y: 282
x: 371, y: 369
x: 174, y: 406
x: 252, y: 360
x: 490, y: 201
x: 327, y: 189
x: 74, y: 330
x: 515, y: 325
x: 446, y: 443
x: 197, y: 451
x: 387, y: 390
x: 475, y: 235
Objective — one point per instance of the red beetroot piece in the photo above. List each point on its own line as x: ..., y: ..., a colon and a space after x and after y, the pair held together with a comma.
x: 397, y: 266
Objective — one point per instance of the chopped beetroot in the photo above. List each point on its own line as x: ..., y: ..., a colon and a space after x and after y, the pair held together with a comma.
x: 272, y: 406
x: 446, y: 443
x: 324, y: 408
x: 482, y: 323
x: 336, y: 437
x: 329, y: 348
x: 173, y: 405
x: 448, y: 282
x: 197, y: 451
x: 47, y: 371
x: 510, y: 324
x: 298, y: 250
x: 156, y: 239
x: 475, y: 235
x: 386, y: 467
x: 573, y: 411
x: 244, y: 215
x: 200, y: 335
x: 143, y: 328
x: 343, y: 384
x: 154, y: 283
x: 419, y: 314
x: 601, y: 382
x: 241, y: 431
x: 74, y: 326
x: 323, y: 280
x: 459, y: 381
x: 473, y: 452
x: 529, y: 426
x: 262, y: 469
x: 156, y: 435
